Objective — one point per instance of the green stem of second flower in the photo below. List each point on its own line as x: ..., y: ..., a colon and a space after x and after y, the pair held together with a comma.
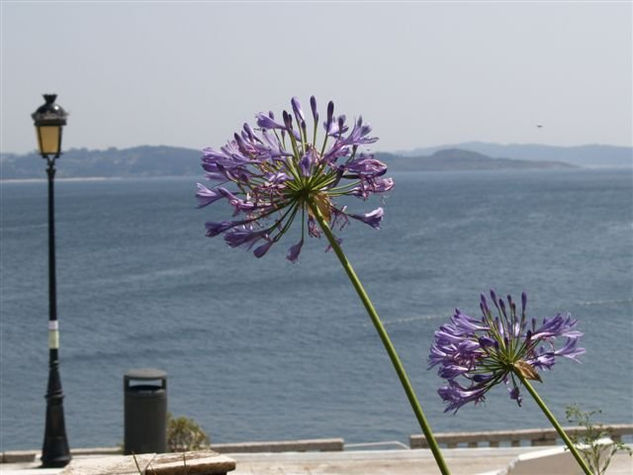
x: 391, y: 351
x: 554, y: 422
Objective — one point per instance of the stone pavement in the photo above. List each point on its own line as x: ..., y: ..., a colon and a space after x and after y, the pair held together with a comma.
x: 461, y: 461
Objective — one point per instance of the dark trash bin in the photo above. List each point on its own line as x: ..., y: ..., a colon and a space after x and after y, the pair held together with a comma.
x: 145, y: 411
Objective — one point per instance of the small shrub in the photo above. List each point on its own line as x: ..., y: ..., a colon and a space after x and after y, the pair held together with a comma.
x: 184, y: 434
x: 597, y: 457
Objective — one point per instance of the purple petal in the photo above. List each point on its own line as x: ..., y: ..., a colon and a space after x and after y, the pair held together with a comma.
x: 238, y: 203
x: 493, y: 296
x: 456, y: 396
x: 293, y: 252
x: 330, y: 116
x: 468, y: 348
x: 466, y: 324
x: 214, y: 228
x: 382, y: 185
x: 570, y: 349
x: 313, y: 106
x: 268, y: 123
x: 287, y: 120
x: 373, y: 218
x: 482, y: 378
x: 451, y: 371
x: 313, y: 229
x: 365, y: 166
x: 206, y: 196
x: 215, y: 176
x: 243, y: 235
x: 443, y: 337
x: 437, y: 356
x: 296, y: 107
x: 515, y: 394
x: 306, y: 162
x: 556, y: 326
x: 263, y: 249
x: 486, y: 342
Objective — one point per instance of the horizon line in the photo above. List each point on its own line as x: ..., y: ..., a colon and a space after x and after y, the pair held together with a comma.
x: 393, y: 151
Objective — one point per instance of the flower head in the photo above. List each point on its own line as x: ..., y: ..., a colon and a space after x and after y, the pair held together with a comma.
x: 474, y: 355
x: 277, y: 172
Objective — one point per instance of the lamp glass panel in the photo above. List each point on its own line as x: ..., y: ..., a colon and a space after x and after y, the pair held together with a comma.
x: 49, y: 136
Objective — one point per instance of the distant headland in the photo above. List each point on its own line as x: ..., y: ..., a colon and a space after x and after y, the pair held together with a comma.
x: 154, y: 161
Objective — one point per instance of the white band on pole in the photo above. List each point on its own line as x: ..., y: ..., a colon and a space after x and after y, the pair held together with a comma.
x: 53, y: 334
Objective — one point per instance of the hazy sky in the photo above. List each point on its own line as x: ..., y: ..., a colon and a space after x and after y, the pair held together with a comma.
x: 421, y: 73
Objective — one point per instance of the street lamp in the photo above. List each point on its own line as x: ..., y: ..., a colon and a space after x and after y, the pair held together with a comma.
x: 49, y: 120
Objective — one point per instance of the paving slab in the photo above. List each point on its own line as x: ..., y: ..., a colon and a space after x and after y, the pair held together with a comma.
x: 188, y: 463
x: 378, y: 462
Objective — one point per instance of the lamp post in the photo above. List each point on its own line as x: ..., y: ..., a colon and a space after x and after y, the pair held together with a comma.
x: 49, y: 120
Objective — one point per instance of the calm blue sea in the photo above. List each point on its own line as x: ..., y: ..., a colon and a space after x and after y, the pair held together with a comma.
x: 264, y: 349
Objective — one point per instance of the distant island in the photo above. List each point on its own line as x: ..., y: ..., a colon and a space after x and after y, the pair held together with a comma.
x: 154, y: 161
x: 457, y: 159
x: 143, y: 161
x: 590, y: 156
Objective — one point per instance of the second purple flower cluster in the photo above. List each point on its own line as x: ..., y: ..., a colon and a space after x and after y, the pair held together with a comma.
x: 474, y: 355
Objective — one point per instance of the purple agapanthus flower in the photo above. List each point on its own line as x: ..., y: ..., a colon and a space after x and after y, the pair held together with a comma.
x: 474, y: 355
x: 276, y: 172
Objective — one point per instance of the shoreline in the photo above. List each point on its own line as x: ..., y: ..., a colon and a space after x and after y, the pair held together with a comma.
x: 397, y: 173
x: 534, y: 438
x: 98, y: 178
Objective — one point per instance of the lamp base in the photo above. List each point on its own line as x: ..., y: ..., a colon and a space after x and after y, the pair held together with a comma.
x: 55, y: 451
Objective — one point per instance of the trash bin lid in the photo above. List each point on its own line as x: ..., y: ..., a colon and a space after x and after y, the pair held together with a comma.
x: 146, y: 374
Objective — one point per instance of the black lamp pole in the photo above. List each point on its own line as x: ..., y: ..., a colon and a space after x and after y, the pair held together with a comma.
x: 49, y: 120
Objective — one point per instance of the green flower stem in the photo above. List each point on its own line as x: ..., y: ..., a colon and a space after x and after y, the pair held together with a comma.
x: 554, y: 422
x: 408, y: 388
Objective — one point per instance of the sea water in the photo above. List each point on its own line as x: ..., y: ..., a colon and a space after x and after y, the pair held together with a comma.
x: 263, y: 349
